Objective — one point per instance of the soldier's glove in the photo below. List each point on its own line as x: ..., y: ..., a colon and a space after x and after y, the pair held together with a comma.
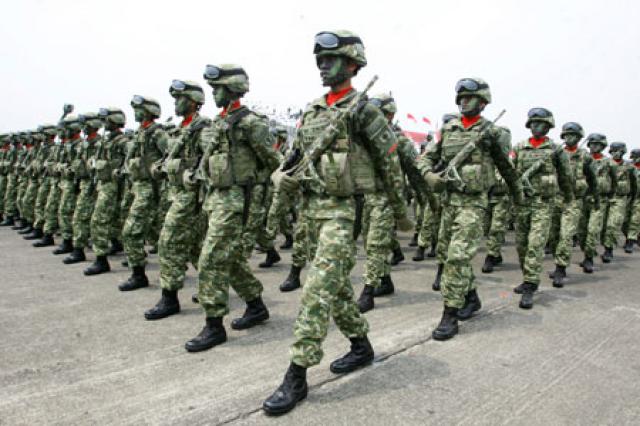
x: 116, y: 173
x: 405, y: 224
x: 189, y: 179
x: 518, y: 199
x: 282, y: 181
x: 435, y: 181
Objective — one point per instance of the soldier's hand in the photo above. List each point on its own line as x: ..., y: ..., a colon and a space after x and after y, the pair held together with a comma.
x: 282, y: 181
x: 189, y: 178
x: 435, y: 181
x: 405, y: 224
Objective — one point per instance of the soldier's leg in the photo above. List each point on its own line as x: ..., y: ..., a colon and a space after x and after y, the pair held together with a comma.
x: 613, y: 227
x: 51, y: 209
x: 568, y: 227
x: 11, y: 193
x: 523, y: 227
x: 41, y: 203
x: 555, y: 226
x: 539, y: 222
x: 82, y: 215
x: 3, y: 191
x: 137, y: 223
x: 66, y: 207
x: 103, y: 217
x: 594, y: 229
x: 498, y: 227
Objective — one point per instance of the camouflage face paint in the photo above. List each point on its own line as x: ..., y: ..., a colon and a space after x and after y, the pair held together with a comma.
x: 539, y: 129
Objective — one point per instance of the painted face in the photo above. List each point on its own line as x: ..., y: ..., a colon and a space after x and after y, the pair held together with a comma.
x: 617, y: 154
x: 140, y: 115
x: 571, y: 139
x: 333, y: 69
x: 183, y: 106
x: 222, y: 96
x: 470, y: 105
x: 596, y: 148
x: 539, y: 128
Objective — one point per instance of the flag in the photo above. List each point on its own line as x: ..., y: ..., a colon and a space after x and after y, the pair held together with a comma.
x: 411, y: 117
x: 426, y: 120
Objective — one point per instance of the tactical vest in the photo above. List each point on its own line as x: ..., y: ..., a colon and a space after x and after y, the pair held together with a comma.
x: 82, y: 163
x: 183, y: 150
x: 577, y: 160
x: 602, y: 174
x: 544, y: 182
x: 68, y: 156
x: 623, y: 188
x: 51, y: 163
x: 144, y: 153
x: 108, y: 156
x: 3, y: 162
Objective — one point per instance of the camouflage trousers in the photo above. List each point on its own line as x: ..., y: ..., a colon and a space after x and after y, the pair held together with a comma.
x: 82, y: 214
x: 277, y: 219
x: 532, y: 230
x: 458, y: 242
x: 590, y: 226
x: 105, y: 213
x: 615, y: 217
x: 304, y: 249
x: 428, y: 234
x: 139, y: 219
x: 498, y: 222
x: 160, y: 212
x: 66, y: 207
x: 41, y: 202
x: 180, y: 238
x: 255, y: 220
x: 23, y: 182
x: 126, y: 199
x: 10, y: 194
x: 327, y: 291
x: 632, y: 224
x: 3, y: 190
x: 567, y: 229
x: 222, y: 263
x: 52, y: 206
x: 377, y: 231
x: 28, y: 201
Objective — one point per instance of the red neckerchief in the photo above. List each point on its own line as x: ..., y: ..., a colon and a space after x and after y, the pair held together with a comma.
x: 618, y: 162
x: 226, y: 110
x: 333, y: 97
x: 91, y: 136
x: 28, y: 146
x: 469, y: 121
x: 571, y: 149
x: 75, y: 137
x: 187, y: 121
x: 63, y: 140
x: 597, y: 156
x: 637, y: 166
x: 535, y: 142
x: 146, y: 124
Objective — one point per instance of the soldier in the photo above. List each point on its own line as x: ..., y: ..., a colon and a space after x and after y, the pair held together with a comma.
x: 22, y: 178
x: 543, y: 167
x: 616, y: 210
x: 109, y: 157
x: 238, y: 144
x: 9, y: 202
x: 568, y: 215
x: 67, y: 204
x: 31, y: 178
x: 464, y: 201
x: 590, y: 226
x: 352, y: 136
x: 182, y: 232
x: 149, y: 146
x: 633, y: 216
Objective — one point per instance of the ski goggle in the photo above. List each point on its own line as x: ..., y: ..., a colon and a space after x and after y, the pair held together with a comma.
x: 469, y: 84
x: 138, y: 101
x: 539, y: 113
x: 571, y: 127
x: 380, y: 102
x: 180, y: 86
x: 328, y: 41
x: 212, y: 72
x: 596, y: 137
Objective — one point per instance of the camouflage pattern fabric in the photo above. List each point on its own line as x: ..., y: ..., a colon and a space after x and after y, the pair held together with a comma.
x: 29, y: 199
x: 86, y: 198
x: 498, y: 218
x: 377, y: 231
x: 255, y: 221
x: 10, y: 195
x: 532, y: 229
x: 126, y: 199
x: 615, y: 213
x: 52, y: 206
x: 3, y: 190
x: 590, y: 227
x: 567, y: 228
x: 428, y: 233
x: 41, y: 201
x: 303, y: 248
x: 136, y: 227
x: 68, y: 189
x: 104, y: 214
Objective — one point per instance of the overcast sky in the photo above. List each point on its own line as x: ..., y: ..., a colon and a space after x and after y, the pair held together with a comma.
x: 580, y: 59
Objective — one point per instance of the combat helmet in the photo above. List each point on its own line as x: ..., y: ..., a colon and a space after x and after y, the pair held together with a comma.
x: 340, y: 43
x: 618, y: 146
x: 541, y: 115
x: 149, y: 105
x: 385, y: 102
x: 473, y: 87
x: 48, y: 130
x: 91, y: 120
x: 190, y: 89
x: 597, y: 138
x: 572, y: 128
x: 72, y: 122
x: 112, y: 114
x: 635, y: 154
x: 233, y: 77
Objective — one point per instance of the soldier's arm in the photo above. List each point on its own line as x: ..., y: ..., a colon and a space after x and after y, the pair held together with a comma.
x: 161, y: 140
x: 431, y: 157
x: 614, y: 177
x: 261, y: 142
x: 505, y: 167
x: 565, y: 176
x: 633, y: 182
x: 408, y: 159
x: 588, y: 168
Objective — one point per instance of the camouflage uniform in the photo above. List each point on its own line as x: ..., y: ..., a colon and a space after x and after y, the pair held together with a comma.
x: 4, y: 148
x: 632, y: 225
x: 86, y: 197
x: 45, y: 179
x: 22, y: 176
x: 67, y: 182
x: 10, y: 158
x: 31, y: 182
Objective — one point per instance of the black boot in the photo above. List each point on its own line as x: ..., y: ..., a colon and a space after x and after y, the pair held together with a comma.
x: 361, y: 354
x: 288, y: 242
x: 36, y: 234
x: 212, y: 334
x: 436, y: 283
x: 574, y: 241
x: 386, y: 287
x: 607, y: 255
x: 432, y: 251
x: 20, y: 223
x: 519, y: 289
x: 414, y: 240
x: 166, y: 306
x: 587, y: 265
x: 419, y: 256
x: 27, y: 229
x: 8, y: 221
x: 628, y: 246
x: 448, y: 326
x: 100, y: 266
x: 397, y: 257
x: 471, y: 305
x: 195, y: 299
x: 65, y: 247
x: 46, y: 241
x: 125, y: 263
x: 526, y: 302
x: 272, y: 258
x: 255, y: 313
x: 137, y: 280
x: 292, y: 390
x: 558, y: 276
x: 116, y: 247
x: 365, y: 301
x: 292, y: 281
x: 489, y: 264
x: 153, y: 249
x: 76, y: 256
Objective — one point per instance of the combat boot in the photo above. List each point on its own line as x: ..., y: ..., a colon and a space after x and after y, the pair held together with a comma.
x: 471, y: 304
x: 414, y: 240
x: 360, y: 354
x: 292, y: 390
x: 76, y: 256
x: 574, y: 241
x: 166, y: 306
x: 212, y: 334
x: 432, y: 252
x: 436, y: 283
x: 116, y: 247
x: 153, y: 249
x: 100, y: 266
x: 137, y: 280
x: 489, y: 264
x: 65, y: 247
x: 272, y: 258
x: 20, y: 223
x: 36, y: 234
x: 607, y: 255
x: 587, y: 265
x: 27, y: 229
x: 292, y: 281
x: 397, y: 256
x: 125, y: 263
x: 288, y: 242
x: 448, y: 326
x: 628, y: 246
x: 8, y: 221
x: 519, y: 289
x: 526, y: 301
x: 365, y: 301
x: 386, y: 287
x: 419, y: 256
x: 255, y: 313
x: 195, y: 299
x: 558, y: 276
x: 46, y: 241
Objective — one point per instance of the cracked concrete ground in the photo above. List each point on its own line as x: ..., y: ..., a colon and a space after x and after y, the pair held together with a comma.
x: 74, y: 350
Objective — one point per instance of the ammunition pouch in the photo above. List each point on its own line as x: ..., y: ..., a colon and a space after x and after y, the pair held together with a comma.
x: 336, y: 173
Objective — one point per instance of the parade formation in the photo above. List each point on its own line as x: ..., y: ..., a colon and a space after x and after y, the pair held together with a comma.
x: 208, y: 191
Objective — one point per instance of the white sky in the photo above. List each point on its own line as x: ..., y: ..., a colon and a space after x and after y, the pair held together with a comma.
x: 580, y: 59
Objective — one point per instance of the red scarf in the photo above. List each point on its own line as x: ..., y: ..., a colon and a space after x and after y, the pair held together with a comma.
x: 146, y: 124
x: 469, y: 121
x: 535, y: 142
x: 637, y: 166
x: 234, y: 106
x: 333, y: 97
x: 618, y: 162
x: 571, y: 149
x: 597, y: 156
x: 187, y: 121
x: 91, y: 136
x: 28, y: 146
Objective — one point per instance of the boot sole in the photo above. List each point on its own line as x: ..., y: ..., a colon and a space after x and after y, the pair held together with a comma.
x: 205, y: 347
x: 525, y: 306
x: 159, y: 317
x: 88, y: 274
x: 351, y: 369
x: 132, y: 288
x: 288, y: 289
x: 441, y: 337
x: 278, y: 412
x: 252, y: 324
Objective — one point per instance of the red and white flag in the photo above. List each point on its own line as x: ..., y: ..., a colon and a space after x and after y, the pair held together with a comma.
x: 426, y: 120
x: 411, y: 117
